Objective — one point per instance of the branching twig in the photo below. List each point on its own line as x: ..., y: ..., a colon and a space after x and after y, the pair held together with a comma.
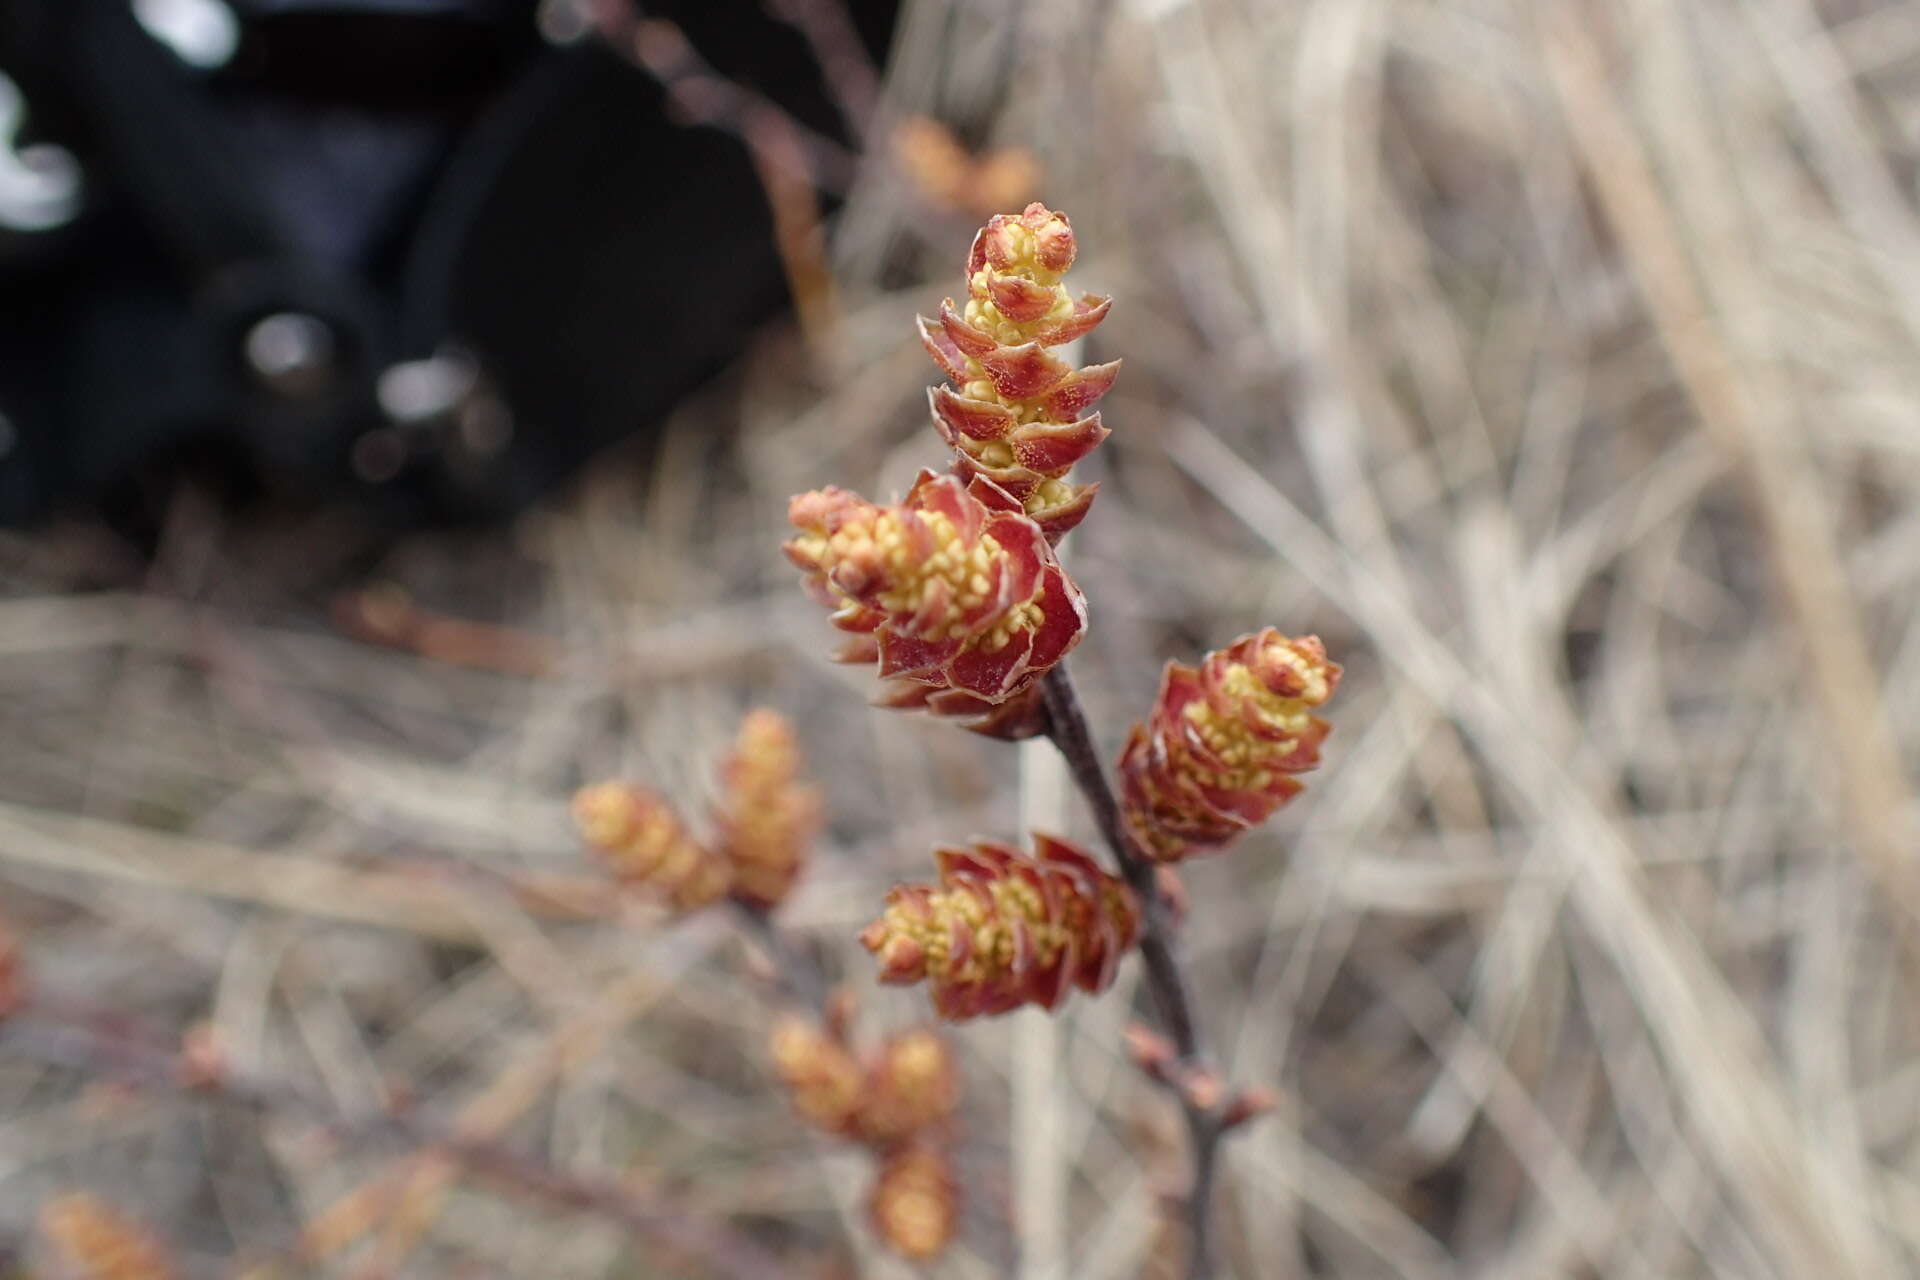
x: 1204, y: 1109
x: 796, y: 972
x: 703, y: 96
x: 105, y: 1050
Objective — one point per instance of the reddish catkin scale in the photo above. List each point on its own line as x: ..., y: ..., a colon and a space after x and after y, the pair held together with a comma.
x: 1219, y: 751
x: 943, y: 607
x: 1003, y: 929
x: 951, y: 588
x: 1014, y: 412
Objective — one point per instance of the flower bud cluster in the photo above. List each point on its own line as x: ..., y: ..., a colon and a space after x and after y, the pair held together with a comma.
x: 643, y: 842
x: 767, y: 818
x: 1219, y: 750
x: 894, y: 1094
x: 765, y: 822
x: 1014, y: 412
x: 915, y: 1204
x: 952, y: 588
x: 1003, y: 929
x: 897, y: 1101
x: 955, y: 592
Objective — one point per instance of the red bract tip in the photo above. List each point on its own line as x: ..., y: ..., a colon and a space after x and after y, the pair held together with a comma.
x: 1218, y: 753
x: 956, y: 589
x: 1003, y: 928
x: 1013, y: 415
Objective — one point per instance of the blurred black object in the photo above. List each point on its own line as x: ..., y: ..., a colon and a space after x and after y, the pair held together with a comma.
x: 414, y: 252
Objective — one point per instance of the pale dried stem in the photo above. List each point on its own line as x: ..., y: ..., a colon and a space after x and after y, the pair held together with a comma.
x: 1789, y: 512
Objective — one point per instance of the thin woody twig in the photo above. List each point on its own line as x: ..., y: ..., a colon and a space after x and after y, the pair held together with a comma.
x: 703, y: 96
x: 107, y: 1051
x: 1067, y: 727
x: 1205, y: 1111
x: 849, y: 74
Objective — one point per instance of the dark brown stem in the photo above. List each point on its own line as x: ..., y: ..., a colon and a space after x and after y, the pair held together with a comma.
x: 1166, y: 979
x: 797, y: 973
x: 703, y: 96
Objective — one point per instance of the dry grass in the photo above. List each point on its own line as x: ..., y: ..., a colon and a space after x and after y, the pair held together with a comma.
x: 1559, y: 365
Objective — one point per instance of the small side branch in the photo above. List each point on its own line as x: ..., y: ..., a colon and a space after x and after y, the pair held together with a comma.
x: 103, y: 1048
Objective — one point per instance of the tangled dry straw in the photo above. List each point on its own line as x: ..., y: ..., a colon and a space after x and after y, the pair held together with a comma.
x: 1555, y: 364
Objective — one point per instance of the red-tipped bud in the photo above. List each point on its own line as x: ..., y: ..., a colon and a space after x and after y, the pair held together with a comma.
x: 96, y: 1242
x: 911, y: 1086
x: 766, y: 817
x: 1013, y: 415
x: 1003, y: 929
x: 1150, y: 1051
x: 916, y: 1202
x: 642, y: 842
x: 1219, y: 751
x: 954, y: 587
x: 825, y: 1082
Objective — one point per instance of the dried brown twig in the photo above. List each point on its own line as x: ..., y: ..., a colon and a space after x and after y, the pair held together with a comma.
x: 1205, y: 1106
x: 104, y: 1049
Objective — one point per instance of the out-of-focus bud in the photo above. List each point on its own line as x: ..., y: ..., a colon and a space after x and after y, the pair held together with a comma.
x: 1003, y: 929
x: 821, y: 1075
x: 1248, y: 1104
x: 946, y: 174
x: 642, y: 841
x: 12, y: 984
x: 203, y: 1059
x: 767, y: 817
x: 1219, y: 751
x: 1150, y: 1051
x: 1202, y: 1087
x: 911, y: 1086
x: 916, y: 1202
x: 94, y: 1242
x: 1013, y: 415
x: 952, y: 588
